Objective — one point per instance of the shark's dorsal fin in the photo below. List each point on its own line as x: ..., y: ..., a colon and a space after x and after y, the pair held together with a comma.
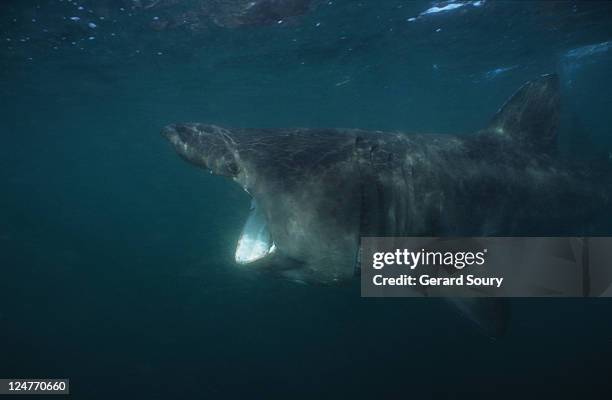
x: 530, y: 117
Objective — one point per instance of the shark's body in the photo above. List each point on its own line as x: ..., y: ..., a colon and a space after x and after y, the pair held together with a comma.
x: 317, y: 191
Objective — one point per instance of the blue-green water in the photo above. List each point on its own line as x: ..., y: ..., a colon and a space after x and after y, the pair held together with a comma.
x: 116, y: 257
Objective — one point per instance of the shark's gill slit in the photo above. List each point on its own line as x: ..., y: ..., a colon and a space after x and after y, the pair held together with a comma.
x: 255, y: 241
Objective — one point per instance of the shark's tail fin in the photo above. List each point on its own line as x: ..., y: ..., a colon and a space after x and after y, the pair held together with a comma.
x: 531, y: 115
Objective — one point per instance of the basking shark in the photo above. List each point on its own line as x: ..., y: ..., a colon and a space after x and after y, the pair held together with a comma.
x: 315, y: 192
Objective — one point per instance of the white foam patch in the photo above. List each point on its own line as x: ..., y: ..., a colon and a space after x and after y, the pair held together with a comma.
x: 445, y: 7
x: 494, y: 73
x: 575, y: 59
x: 448, y: 7
x: 589, y: 50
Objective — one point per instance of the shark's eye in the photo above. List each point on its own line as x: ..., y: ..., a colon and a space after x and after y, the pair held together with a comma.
x: 232, y: 167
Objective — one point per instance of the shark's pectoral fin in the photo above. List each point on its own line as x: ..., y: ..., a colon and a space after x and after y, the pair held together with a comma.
x: 530, y: 117
x: 489, y: 314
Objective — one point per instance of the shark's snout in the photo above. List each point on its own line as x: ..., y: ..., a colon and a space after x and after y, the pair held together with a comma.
x: 181, y: 134
x: 169, y: 131
x: 179, y: 138
x: 206, y: 146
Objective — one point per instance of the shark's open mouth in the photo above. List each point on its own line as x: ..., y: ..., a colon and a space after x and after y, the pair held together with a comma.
x: 255, y: 240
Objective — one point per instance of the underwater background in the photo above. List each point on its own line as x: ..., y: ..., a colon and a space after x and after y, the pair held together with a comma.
x: 116, y: 257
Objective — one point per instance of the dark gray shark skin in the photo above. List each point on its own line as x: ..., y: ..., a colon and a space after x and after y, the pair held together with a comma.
x: 321, y: 189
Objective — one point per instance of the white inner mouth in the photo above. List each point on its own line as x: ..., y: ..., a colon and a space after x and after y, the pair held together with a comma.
x: 255, y: 241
